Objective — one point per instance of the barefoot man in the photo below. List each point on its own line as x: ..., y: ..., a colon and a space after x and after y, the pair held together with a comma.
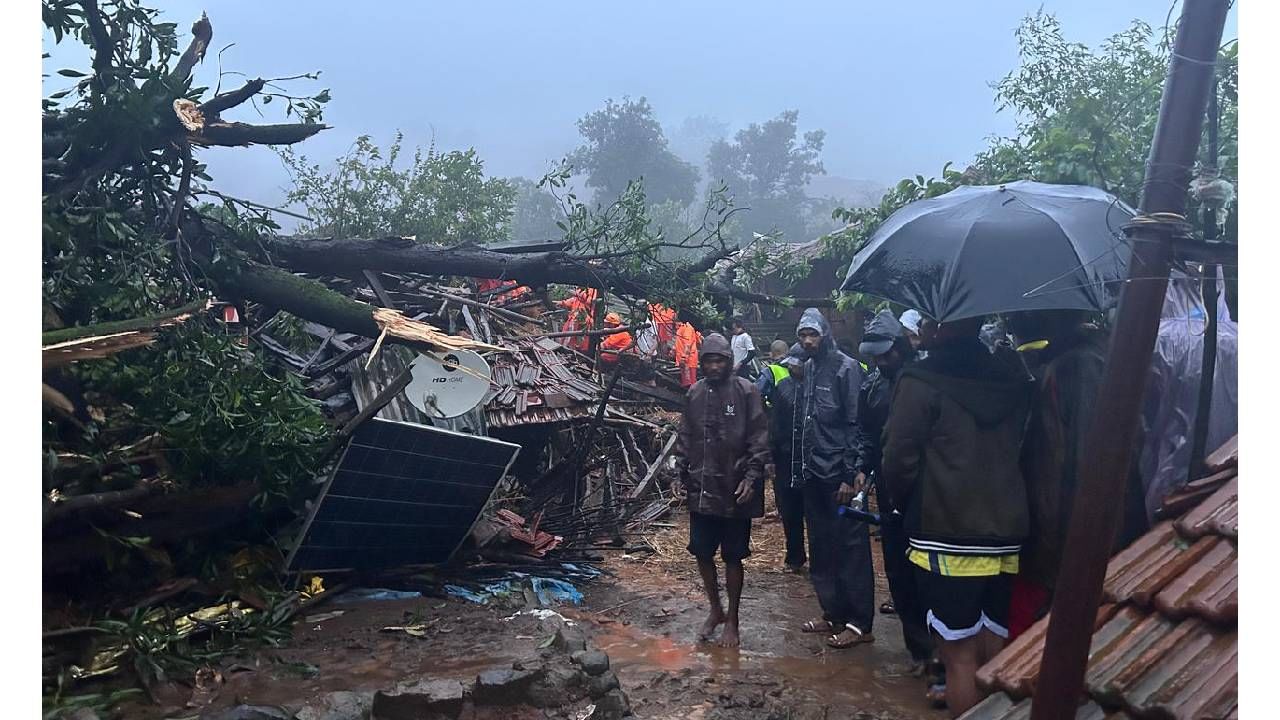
x: 722, y: 451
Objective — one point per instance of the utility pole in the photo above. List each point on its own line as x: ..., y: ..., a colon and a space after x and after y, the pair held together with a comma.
x: 1108, y: 446
x: 1209, y: 293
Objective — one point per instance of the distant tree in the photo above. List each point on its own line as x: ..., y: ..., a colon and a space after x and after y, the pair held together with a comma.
x: 440, y: 197
x: 624, y: 142
x: 693, y: 137
x: 766, y: 168
x: 535, y: 214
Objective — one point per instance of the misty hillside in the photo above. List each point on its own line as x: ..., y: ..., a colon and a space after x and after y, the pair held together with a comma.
x: 851, y: 192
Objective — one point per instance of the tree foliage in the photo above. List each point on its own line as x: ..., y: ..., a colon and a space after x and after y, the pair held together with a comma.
x: 436, y: 196
x: 766, y: 167
x: 1083, y: 117
x: 622, y: 142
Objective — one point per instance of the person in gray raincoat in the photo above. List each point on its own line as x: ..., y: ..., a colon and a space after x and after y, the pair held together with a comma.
x: 722, y: 449
x: 839, y: 547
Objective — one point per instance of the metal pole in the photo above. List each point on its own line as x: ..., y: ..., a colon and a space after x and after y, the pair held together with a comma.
x: 1108, y: 445
x: 1209, y: 293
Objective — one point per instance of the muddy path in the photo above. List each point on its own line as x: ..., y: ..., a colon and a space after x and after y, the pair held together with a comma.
x: 644, y: 612
x: 647, y: 619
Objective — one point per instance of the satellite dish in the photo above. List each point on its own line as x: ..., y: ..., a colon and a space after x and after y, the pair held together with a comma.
x: 450, y: 385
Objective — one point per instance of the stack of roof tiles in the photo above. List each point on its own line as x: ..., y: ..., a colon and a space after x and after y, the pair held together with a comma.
x: 538, y: 384
x: 1164, y: 644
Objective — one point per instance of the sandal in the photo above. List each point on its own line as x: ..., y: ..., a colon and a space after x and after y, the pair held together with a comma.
x: 859, y: 637
x: 936, y: 696
x: 817, y: 626
x: 887, y: 608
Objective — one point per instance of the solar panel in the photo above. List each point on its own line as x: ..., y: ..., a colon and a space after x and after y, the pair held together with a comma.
x: 402, y: 494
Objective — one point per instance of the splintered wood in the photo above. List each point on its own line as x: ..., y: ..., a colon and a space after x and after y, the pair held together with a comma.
x: 395, y: 324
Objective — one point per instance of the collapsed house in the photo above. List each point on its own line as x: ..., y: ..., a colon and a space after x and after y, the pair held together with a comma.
x: 593, y: 465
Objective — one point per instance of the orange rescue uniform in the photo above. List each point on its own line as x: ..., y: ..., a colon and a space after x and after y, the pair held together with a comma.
x: 688, y: 341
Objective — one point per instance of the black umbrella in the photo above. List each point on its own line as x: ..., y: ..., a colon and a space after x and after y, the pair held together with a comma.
x: 981, y: 250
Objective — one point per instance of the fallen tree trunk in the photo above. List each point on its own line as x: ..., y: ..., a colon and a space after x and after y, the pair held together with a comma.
x: 398, y: 254
x: 331, y: 256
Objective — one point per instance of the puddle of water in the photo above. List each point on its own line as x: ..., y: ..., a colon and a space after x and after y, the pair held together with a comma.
x: 860, y: 677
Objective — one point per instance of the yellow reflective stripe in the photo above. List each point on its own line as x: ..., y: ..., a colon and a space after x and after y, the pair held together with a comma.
x: 963, y: 565
x: 1033, y: 345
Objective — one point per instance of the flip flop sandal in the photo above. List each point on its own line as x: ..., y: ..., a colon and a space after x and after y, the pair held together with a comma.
x: 936, y: 696
x: 817, y: 626
x: 859, y: 638
x: 887, y: 608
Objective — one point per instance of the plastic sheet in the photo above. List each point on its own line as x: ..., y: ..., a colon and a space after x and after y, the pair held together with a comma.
x: 1169, y: 408
x: 355, y: 595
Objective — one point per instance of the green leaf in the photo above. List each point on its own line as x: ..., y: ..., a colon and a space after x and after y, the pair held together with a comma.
x: 67, y: 72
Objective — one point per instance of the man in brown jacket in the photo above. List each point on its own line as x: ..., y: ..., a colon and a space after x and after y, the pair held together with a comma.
x: 722, y: 450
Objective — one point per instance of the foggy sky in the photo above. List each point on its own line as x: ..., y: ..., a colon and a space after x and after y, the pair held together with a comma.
x: 899, y: 87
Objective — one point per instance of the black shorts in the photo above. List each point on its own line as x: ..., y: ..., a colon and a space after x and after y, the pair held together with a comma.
x: 732, y: 536
x: 960, y: 607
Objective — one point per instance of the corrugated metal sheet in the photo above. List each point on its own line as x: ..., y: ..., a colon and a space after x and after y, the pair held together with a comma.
x: 1167, y: 646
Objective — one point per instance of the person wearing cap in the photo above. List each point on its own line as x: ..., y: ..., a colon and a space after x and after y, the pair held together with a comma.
x: 613, y: 345
x: 913, y: 322
x: 788, y: 396
x: 774, y: 371
x: 722, y: 448
x: 839, y: 547
x: 885, y: 343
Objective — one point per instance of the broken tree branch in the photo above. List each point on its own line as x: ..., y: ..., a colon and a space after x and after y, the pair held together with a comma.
x: 590, y: 333
x: 500, y: 312
x: 238, y: 134
x: 232, y: 98
x: 55, y: 337
x: 170, y: 228
x: 201, y: 36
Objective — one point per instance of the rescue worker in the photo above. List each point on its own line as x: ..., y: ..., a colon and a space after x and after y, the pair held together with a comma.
x: 663, y: 320
x: 580, y: 318
x: 885, y: 343
x: 722, y: 449
x: 788, y: 395
x: 950, y: 463
x: 614, y: 344
x: 502, y: 291
x: 774, y: 370
x: 688, y: 342
x: 839, y: 547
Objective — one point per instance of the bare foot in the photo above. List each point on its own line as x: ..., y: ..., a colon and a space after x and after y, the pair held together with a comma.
x: 714, y: 620
x: 729, y: 638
